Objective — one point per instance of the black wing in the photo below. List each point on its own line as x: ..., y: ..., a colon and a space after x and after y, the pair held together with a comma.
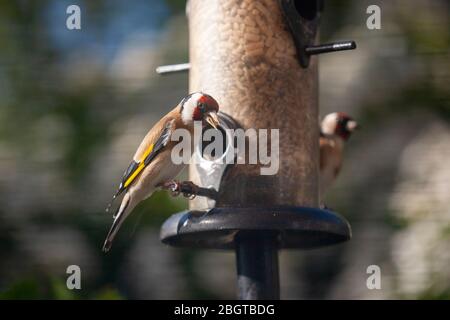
x: 135, y: 168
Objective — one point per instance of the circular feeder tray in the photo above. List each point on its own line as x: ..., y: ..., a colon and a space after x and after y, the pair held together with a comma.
x: 297, y: 227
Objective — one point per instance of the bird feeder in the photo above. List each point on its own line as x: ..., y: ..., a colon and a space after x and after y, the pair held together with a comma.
x: 256, y: 59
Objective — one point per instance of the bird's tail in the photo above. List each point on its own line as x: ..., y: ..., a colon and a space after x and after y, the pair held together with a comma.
x: 122, y: 213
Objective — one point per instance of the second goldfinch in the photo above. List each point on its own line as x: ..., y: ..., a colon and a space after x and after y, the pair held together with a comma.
x: 152, y: 165
x: 336, y: 129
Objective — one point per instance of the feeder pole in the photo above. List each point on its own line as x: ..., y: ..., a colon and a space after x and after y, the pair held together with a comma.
x: 242, y: 53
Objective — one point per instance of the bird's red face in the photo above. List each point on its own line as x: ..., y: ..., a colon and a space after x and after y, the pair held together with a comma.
x: 200, y: 107
x: 340, y: 124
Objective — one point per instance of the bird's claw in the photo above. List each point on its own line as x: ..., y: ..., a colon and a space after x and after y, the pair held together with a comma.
x: 187, y: 188
x: 172, y: 186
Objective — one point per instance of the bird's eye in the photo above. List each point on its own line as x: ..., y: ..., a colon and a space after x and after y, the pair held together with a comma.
x: 202, y: 107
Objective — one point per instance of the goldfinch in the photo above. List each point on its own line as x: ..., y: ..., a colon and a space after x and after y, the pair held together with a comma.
x: 336, y: 129
x: 152, y: 165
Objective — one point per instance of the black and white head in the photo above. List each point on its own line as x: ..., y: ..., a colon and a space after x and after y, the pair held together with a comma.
x: 339, y: 124
x: 199, y: 106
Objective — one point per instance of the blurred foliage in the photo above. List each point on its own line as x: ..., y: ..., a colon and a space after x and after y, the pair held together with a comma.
x: 35, y: 87
x: 33, y: 288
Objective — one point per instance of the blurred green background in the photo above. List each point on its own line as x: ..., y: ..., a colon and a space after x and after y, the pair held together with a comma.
x: 74, y: 105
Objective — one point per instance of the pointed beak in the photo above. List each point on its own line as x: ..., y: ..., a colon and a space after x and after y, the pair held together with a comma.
x: 352, y: 125
x: 213, y: 119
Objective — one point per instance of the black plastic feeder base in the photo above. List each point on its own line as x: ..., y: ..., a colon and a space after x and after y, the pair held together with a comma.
x: 295, y: 227
x: 256, y: 235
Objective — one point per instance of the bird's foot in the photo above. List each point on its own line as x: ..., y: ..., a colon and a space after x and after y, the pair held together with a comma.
x: 172, y: 186
x: 187, y: 188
